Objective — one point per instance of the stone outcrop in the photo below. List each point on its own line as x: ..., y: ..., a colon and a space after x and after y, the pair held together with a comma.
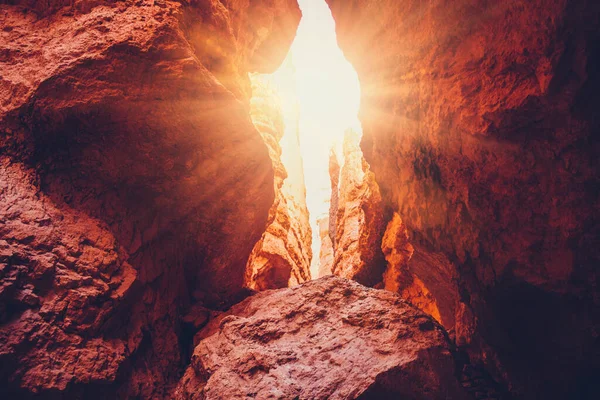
x: 62, y: 276
x: 133, y: 184
x: 399, y: 276
x: 330, y: 338
x: 283, y: 254
x: 480, y: 124
x: 334, y: 202
x: 359, y: 219
x: 326, y: 251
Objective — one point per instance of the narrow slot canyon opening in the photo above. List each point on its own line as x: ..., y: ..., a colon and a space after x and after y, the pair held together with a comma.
x: 328, y: 94
x: 307, y: 113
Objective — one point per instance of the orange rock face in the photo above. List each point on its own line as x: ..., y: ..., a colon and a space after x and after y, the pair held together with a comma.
x: 283, y: 254
x: 330, y: 338
x: 398, y: 276
x: 63, y: 275
x: 326, y: 250
x: 358, y: 218
x: 133, y: 184
x: 479, y: 124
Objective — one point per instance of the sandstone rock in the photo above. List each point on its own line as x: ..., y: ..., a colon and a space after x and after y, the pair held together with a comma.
x: 283, y: 254
x: 326, y: 339
x: 480, y: 125
x: 359, y: 220
x: 410, y: 273
x: 326, y: 252
x: 133, y: 183
x: 62, y: 276
x: 334, y: 177
x: 398, y: 277
x: 398, y: 251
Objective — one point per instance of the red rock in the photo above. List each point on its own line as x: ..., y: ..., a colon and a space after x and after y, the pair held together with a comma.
x: 283, y: 254
x: 326, y: 252
x: 133, y: 183
x: 326, y: 339
x: 398, y: 276
x: 359, y: 220
x: 410, y: 273
x: 54, y: 306
x: 480, y: 125
x: 134, y: 186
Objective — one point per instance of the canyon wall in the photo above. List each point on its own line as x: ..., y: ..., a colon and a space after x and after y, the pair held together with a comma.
x: 480, y: 124
x: 357, y: 212
x: 282, y: 256
x: 133, y: 184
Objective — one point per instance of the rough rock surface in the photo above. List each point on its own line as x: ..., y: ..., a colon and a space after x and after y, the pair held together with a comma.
x: 330, y: 338
x: 133, y: 184
x: 326, y: 252
x: 399, y: 276
x: 327, y: 225
x: 62, y: 275
x: 283, y: 254
x: 480, y: 122
x: 359, y: 220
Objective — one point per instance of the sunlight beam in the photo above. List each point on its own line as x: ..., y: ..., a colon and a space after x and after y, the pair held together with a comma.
x: 320, y: 97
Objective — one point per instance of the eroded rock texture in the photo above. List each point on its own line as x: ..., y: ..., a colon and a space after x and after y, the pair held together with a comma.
x: 402, y: 277
x: 63, y: 275
x: 326, y: 251
x: 133, y: 184
x: 358, y: 216
x: 480, y: 124
x: 283, y: 254
x: 326, y: 339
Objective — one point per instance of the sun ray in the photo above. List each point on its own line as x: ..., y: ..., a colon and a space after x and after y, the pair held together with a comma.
x: 319, y: 94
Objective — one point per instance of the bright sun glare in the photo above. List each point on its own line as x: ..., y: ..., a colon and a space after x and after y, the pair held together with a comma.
x: 320, y: 95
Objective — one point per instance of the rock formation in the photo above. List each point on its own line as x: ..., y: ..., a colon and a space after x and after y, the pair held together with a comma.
x: 359, y: 220
x: 137, y: 176
x: 283, y: 254
x: 481, y: 127
x: 330, y: 338
x: 400, y: 275
x: 326, y: 252
x: 133, y: 184
x: 63, y: 275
